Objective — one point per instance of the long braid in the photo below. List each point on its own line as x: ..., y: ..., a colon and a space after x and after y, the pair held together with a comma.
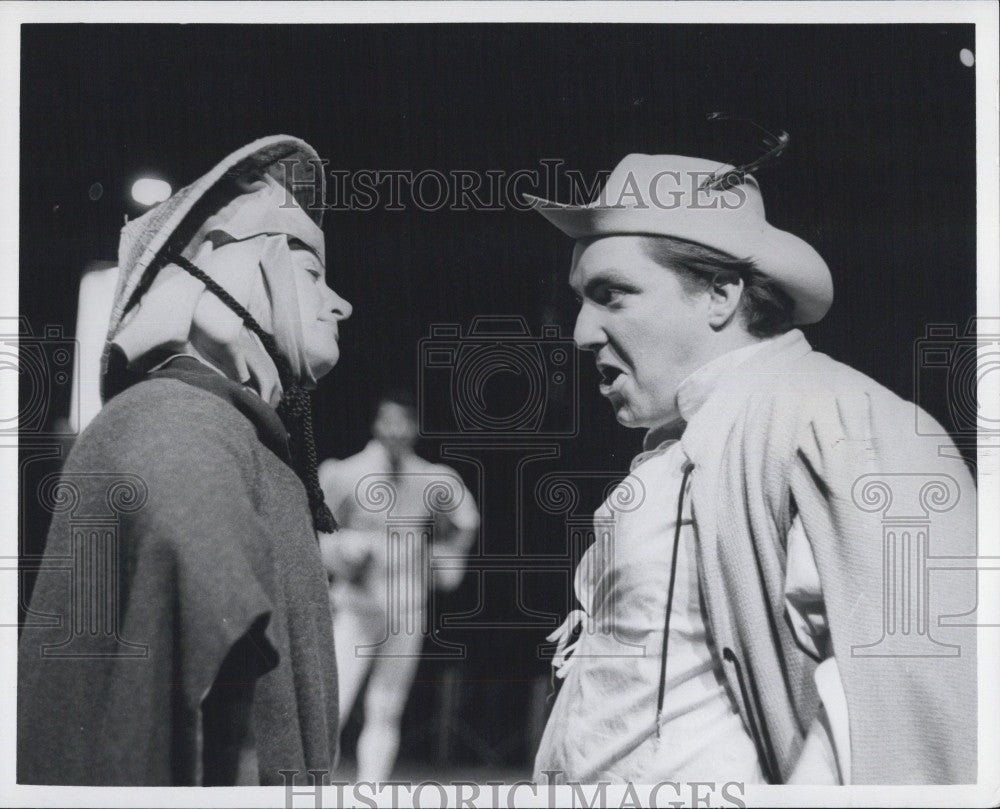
x: 295, y: 407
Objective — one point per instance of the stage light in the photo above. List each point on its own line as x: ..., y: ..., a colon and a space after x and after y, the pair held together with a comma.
x: 148, y: 191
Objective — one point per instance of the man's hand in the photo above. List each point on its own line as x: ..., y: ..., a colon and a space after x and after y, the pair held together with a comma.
x: 450, y: 555
x: 348, y: 553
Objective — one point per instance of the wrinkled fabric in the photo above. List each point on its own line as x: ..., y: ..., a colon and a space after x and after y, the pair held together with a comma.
x: 603, y: 726
x: 795, y: 432
x: 208, y: 534
x: 790, y: 567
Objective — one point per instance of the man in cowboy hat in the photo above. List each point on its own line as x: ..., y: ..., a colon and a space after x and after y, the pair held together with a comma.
x: 752, y: 619
x: 188, y: 639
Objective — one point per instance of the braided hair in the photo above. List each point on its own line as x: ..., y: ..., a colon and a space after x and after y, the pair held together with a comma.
x: 295, y: 407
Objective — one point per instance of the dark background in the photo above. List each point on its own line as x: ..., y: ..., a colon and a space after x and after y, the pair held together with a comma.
x: 879, y: 177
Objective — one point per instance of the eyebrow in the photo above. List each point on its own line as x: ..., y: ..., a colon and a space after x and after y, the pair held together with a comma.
x: 607, y: 277
x: 316, y: 267
x: 298, y: 244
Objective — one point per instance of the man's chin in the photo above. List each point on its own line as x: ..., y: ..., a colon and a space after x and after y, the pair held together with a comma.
x: 627, y: 416
x: 321, y: 366
x: 624, y: 414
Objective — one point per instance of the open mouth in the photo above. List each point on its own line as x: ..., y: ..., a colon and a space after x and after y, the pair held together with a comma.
x: 609, y: 375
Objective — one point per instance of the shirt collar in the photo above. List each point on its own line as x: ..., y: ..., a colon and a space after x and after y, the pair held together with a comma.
x: 695, y: 390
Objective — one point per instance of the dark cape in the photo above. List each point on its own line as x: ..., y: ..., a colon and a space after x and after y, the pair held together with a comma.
x: 179, y: 532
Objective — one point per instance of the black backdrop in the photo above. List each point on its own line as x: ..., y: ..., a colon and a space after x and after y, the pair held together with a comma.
x: 879, y: 177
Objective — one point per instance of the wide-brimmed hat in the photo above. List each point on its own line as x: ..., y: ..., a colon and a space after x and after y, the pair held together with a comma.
x: 144, y: 238
x: 704, y: 202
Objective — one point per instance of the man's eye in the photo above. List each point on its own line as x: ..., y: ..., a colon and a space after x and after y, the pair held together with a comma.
x: 310, y: 265
x: 608, y: 295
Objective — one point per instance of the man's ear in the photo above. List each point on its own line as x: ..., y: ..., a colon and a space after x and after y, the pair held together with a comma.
x: 724, y: 300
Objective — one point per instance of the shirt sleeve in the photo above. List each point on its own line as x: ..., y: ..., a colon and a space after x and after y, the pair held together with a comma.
x: 455, y: 532
x: 337, y: 486
x: 834, y: 711
x: 466, y: 516
x: 807, y: 615
x: 460, y: 512
x: 859, y: 470
x: 804, y: 594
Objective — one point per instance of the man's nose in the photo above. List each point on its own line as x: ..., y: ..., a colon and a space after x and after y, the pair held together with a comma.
x: 340, y: 306
x: 587, y: 332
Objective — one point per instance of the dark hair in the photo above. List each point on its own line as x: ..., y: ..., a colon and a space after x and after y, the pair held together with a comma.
x: 765, y: 308
x: 403, y: 397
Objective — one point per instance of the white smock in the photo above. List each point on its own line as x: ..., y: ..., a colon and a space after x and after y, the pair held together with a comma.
x: 603, y: 726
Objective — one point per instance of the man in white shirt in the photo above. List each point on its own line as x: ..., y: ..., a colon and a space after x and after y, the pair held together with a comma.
x: 727, y: 625
x: 395, y: 511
